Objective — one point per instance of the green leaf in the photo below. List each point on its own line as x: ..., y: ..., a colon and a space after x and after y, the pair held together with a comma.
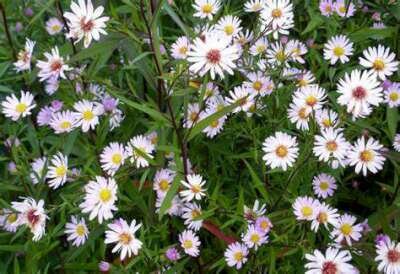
x: 366, y: 33
x: 258, y: 184
x: 392, y: 117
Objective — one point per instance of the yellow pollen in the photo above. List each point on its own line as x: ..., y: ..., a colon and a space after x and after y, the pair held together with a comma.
x: 280, y: 56
x: 302, y: 83
x: 303, y: 113
x: 195, y: 188
x: 331, y: 146
x: 260, y: 49
x: 21, y: 107
x: 11, y: 218
x: 328, y: 8
x: 281, y: 151
x: 207, y: 8
x: 87, y: 115
x: 257, y: 85
x: 61, y: 171
x: 214, y: 123
x: 346, y: 229
x: 342, y: 9
x: 238, y: 256
x: 116, y: 158
x: 366, y: 156
x: 322, y: 217
x: 187, y: 244
x: 65, y: 125
x: 183, y: 50
x: 394, y: 96
x: 105, y: 195
x: 55, y: 28
x: 125, y: 238
x: 378, y: 64
x: 324, y: 186
x: 338, y: 51
x: 255, y: 238
x: 264, y: 225
x: 276, y: 13
x: 164, y: 185
x: 307, y: 211
x: 80, y: 230
x: 229, y: 29
x: 195, y: 213
x: 327, y: 123
x: 311, y: 100
x: 194, y: 116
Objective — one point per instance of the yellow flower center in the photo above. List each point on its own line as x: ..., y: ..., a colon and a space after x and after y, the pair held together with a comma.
x: 164, y: 185
x: 195, y: 213
x: 214, y: 123
x: 378, y: 64
x: 255, y: 238
x: 125, y: 238
x: 80, y: 230
x: 324, y: 186
x: 61, y: 171
x: 183, y: 50
x: 87, y: 115
x: 346, y: 229
x: 238, y: 256
x: 264, y: 225
x: 302, y: 83
x: 195, y: 188
x: 307, y: 211
x: 65, y: 125
x: 331, y: 146
x: 260, y: 49
x: 311, y: 100
x: 194, y: 116
x: 21, y: 107
x: 187, y: 244
x: 257, y: 85
x: 280, y: 56
x: 281, y: 151
x: 394, y: 96
x: 11, y: 218
x: 276, y: 13
x: 105, y: 195
x: 327, y: 123
x: 207, y: 8
x: 322, y: 217
x: 229, y: 29
x: 116, y: 158
x: 366, y: 156
x: 342, y: 9
x: 338, y: 51
x: 303, y: 113
x: 55, y: 28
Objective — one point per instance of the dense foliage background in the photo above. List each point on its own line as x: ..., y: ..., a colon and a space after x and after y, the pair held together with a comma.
x: 231, y: 163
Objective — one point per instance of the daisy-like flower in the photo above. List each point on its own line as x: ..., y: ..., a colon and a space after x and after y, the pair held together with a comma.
x: 326, y: 118
x: 331, y: 147
x: 334, y: 261
x: 57, y: 170
x: 15, y: 108
x: 215, y: 125
x: 241, y: 95
x: 326, y: 7
x: 312, y: 96
x: 54, y: 67
x: 190, y: 212
x: 324, y: 185
x: 344, y: 9
x: 346, y: 229
x: 162, y: 181
x: 215, y: 54
x: 299, y: 115
x: 63, y: 122
x: 254, y: 237
x: 112, y: 157
x: 180, y: 48
x: 32, y: 214
x: 325, y: 216
x: 280, y: 150
x: 77, y: 231
x: 263, y: 224
x: 25, y: 56
x: 277, y: 15
x: 296, y: 50
x: 87, y: 114
x: 259, y: 47
x: 365, y: 155
x: 229, y: 26
x: 337, y: 48
x: 123, y: 234
x: 251, y: 214
x: 38, y: 170
x: 100, y: 198
x: 194, y: 188
x: 206, y: 8
x: 392, y: 95
x: 259, y: 84
x: 254, y: 5
x: 139, y: 149
x: 54, y: 26
x: 193, y: 115
x: 304, y: 78
x: 388, y: 257
x: 358, y: 91
x: 305, y: 208
x: 190, y: 242
x: 396, y: 142
x: 380, y: 60
x: 9, y: 220
x: 236, y: 255
x: 277, y: 55
x: 85, y: 23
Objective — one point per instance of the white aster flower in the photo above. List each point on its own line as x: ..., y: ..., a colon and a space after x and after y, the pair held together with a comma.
x: 324, y: 185
x: 54, y: 26
x: 304, y: 78
x: 112, y: 157
x: 396, y: 142
x: 388, y: 257
x: 334, y: 261
x: 296, y: 49
x: 100, y: 198
x: 259, y: 47
x: 259, y: 84
x: 139, y: 150
x: 325, y: 216
x: 236, y: 255
x: 87, y: 114
x: 9, y: 220
x: 57, y: 170
x: 162, y: 181
x: 85, y: 22
x: 123, y: 234
x: 254, y: 5
x: 338, y: 48
x: 380, y: 61
x: 194, y: 188
x: 63, y: 122
x: 251, y: 214
x: 77, y: 231
x: 305, y: 208
x: 54, y: 67
x: 326, y: 118
x: 392, y: 95
x: 241, y: 95
x: 254, y: 238
x: 229, y: 26
x: 312, y: 96
x: 277, y: 16
x: 216, y: 125
x: 15, y: 108
x: 346, y: 229
x: 190, y: 242
x: 206, y: 8
x: 25, y: 56
x: 180, y: 48
x: 299, y: 115
x: 190, y: 213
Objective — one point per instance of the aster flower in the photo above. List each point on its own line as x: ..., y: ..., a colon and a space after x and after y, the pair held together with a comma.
x: 57, y: 170
x: 112, y: 157
x: 251, y: 214
x: 326, y: 118
x: 87, y: 114
x: 175, y: 209
x: 299, y: 115
x: 254, y: 5
x: 344, y: 9
x: 85, y: 23
x: 379, y: 60
x: 236, y: 255
x: 334, y: 261
x: 9, y: 220
x: 311, y: 96
x: 365, y: 155
x: 325, y: 216
x: 346, y: 229
x: 324, y: 185
x: 254, y: 237
x: 44, y: 116
x: 296, y: 50
x: 263, y: 224
x: 206, y: 8
x: 388, y: 257
x: 25, y: 56
x: 139, y: 149
x: 190, y: 242
x: 216, y: 125
x: 305, y: 208
x: 54, y: 67
x: 54, y: 26
x: 259, y: 84
x: 123, y: 234
x: 338, y: 48
x: 63, y: 122
x: 229, y: 26
x: 259, y: 47
x: 190, y: 212
x: 278, y: 16
x: 396, y: 142
x: 100, y: 198
x: 241, y: 95
x: 214, y: 54
x: 77, y: 231
x: 162, y: 181
x: 326, y: 7
x: 15, y: 108
x: 180, y: 48
x: 392, y: 95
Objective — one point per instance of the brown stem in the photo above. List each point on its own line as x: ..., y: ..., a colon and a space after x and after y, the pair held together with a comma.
x: 214, y: 229
x: 6, y: 29
x: 61, y: 14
